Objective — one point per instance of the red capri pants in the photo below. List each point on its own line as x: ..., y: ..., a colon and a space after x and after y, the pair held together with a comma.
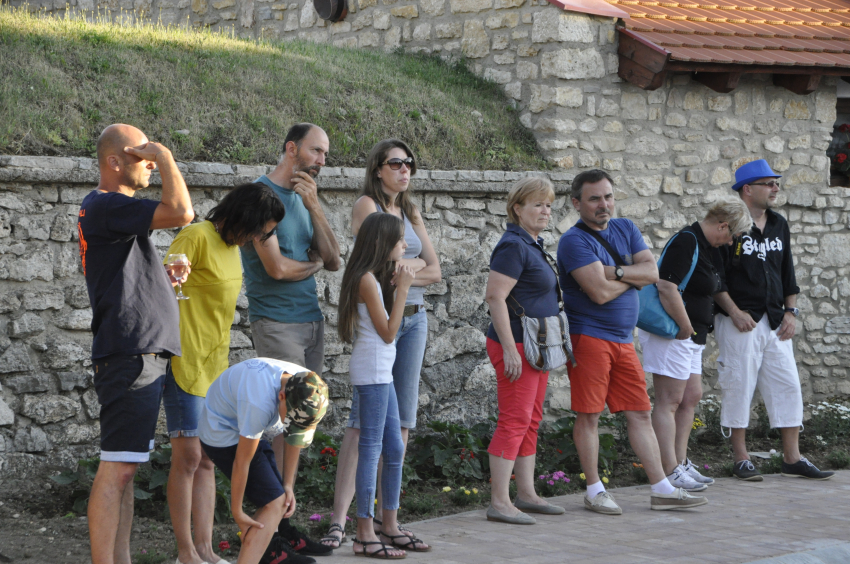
x: 520, y: 406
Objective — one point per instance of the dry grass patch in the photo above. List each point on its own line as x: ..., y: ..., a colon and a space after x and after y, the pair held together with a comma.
x: 66, y: 79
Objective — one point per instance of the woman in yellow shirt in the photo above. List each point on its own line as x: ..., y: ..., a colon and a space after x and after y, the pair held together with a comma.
x: 249, y: 212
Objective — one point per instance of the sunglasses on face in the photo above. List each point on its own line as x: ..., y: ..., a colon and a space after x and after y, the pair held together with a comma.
x: 771, y: 184
x: 395, y: 164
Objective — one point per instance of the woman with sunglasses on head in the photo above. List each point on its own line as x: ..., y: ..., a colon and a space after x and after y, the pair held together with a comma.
x: 247, y: 213
x: 389, y: 168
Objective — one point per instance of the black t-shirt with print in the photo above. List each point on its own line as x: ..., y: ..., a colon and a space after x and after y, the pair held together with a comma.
x: 758, y: 270
x: 134, y: 310
x: 704, y: 282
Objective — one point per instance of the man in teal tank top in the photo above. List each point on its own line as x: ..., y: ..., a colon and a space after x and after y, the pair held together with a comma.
x: 286, y: 321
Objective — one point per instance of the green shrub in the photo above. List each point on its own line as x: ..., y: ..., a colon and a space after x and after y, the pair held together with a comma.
x: 838, y: 459
x: 317, y: 472
x: 556, y: 448
x: 458, y: 454
x: 831, y: 421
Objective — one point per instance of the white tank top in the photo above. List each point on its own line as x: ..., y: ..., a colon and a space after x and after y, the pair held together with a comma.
x: 371, y: 358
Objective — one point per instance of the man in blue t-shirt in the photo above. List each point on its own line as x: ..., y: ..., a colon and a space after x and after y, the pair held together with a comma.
x: 286, y: 321
x: 135, y: 320
x: 601, y: 301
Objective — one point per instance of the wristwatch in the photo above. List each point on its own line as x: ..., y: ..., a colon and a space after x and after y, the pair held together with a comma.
x: 793, y: 310
x: 619, y: 273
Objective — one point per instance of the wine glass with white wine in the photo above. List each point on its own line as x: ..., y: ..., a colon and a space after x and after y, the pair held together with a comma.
x: 178, y: 264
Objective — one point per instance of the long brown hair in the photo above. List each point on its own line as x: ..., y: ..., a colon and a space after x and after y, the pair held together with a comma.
x: 379, y: 233
x: 372, y: 184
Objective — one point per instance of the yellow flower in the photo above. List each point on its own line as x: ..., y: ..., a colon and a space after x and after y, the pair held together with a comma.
x: 467, y: 492
x: 447, y: 489
x: 582, y: 476
x: 604, y: 480
x: 475, y: 491
x: 606, y: 472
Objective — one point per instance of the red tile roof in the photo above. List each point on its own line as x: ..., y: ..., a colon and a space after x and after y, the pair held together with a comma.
x: 809, y: 33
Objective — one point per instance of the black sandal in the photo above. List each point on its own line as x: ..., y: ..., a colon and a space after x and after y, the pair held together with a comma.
x: 400, y: 527
x: 335, y: 527
x: 411, y: 543
x: 382, y: 553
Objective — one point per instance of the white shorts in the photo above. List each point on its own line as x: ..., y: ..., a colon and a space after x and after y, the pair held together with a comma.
x: 670, y: 357
x: 756, y: 359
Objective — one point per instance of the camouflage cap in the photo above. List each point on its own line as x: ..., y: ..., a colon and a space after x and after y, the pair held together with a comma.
x: 306, y: 404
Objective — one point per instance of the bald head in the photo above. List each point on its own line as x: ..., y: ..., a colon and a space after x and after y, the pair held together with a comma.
x: 114, y: 138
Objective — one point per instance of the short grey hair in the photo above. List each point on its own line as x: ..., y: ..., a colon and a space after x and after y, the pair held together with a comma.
x: 732, y: 211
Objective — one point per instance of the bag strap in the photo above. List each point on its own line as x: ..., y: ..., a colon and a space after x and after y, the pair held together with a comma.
x: 687, y: 277
x: 618, y: 260
x: 553, y: 263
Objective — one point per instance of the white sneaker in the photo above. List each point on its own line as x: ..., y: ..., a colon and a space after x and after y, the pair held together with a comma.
x: 602, y: 503
x: 681, y: 479
x: 694, y: 473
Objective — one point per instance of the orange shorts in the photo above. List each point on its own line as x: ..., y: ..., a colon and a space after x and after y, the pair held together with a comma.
x: 606, y: 372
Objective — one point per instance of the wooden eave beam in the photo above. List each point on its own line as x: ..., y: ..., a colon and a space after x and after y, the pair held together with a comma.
x: 797, y: 83
x: 723, y: 82
x: 641, y: 62
x: 685, y: 66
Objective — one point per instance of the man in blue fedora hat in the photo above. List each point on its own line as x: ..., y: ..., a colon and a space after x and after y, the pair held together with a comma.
x: 757, y: 319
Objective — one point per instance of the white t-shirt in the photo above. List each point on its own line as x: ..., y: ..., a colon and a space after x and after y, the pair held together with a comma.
x: 243, y: 401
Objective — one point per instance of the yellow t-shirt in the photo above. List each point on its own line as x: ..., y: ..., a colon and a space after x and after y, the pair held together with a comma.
x: 206, y: 317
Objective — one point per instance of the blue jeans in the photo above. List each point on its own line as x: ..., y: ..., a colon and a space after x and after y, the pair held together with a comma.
x: 410, y: 350
x: 182, y: 409
x: 380, y: 434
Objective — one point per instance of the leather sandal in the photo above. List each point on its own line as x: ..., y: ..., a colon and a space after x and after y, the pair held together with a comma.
x: 382, y: 553
x: 334, y: 528
x: 411, y: 543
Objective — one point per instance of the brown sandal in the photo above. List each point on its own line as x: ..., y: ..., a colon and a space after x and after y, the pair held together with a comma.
x: 411, y: 543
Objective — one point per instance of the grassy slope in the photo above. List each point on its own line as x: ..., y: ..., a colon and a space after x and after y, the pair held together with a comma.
x: 64, y: 80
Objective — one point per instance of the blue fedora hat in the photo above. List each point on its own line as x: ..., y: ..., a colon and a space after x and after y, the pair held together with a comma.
x: 753, y: 171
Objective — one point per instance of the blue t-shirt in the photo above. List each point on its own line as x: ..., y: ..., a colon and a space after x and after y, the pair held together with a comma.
x: 279, y: 300
x: 518, y: 256
x: 243, y: 401
x: 134, y: 310
x: 615, y: 320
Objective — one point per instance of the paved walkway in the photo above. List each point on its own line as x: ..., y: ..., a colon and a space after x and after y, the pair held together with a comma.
x: 744, y: 522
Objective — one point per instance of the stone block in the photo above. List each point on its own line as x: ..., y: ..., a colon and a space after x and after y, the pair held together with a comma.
x: 70, y: 380
x: 572, y: 64
x: 800, y: 142
x: 506, y: 58
x: 835, y: 250
x: 687, y: 160
x: 308, y: 15
x: 454, y: 342
x: 9, y: 302
x: 16, y: 359
x: 504, y: 4
x: 609, y: 144
x: 721, y: 176
x: 408, y: 12
x: 369, y: 39
x: 422, y: 32
x: 7, y: 416
x: 553, y: 25
x: 448, y: 30
x: 75, y: 320
x: 775, y: 144
x: 501, y: 42
x: 63, y: 354
x: 37, y: 264
x: 797, y: 109
x: 726, y: 123
x: 555, y: 125
x: 27, y: 325
x: 49, y: 408
x: 64, y: 228
x: 475, y: 43
x: 647, y: 145
x: 526, y: 50
x: 44, y: 299
x: 31, y: 439
x: 470, y: 6
x: 645, y: 185
x: 514, y: 90
x: 467, y: 294
x: 433, y: 7
x: 672, y: 185
x: 825, y: 106
x: 526, y: 71
x: 497, y: 76
x: 719, y: 103
x: 29, y: 383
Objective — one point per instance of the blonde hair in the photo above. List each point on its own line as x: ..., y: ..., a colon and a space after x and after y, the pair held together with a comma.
x: 732, y: 211
x: 524, y: 189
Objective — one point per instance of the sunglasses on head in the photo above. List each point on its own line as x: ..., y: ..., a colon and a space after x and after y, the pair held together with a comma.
x: 770, y: 184
x: 395, y: 164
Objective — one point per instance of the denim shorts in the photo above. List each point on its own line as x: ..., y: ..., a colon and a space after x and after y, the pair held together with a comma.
x: 264, y: 483
x: 129, y: 390
x: 410, y: 350
x: 182, y: 409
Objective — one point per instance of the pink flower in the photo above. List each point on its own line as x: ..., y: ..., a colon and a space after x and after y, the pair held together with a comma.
x: 567, y: 480
x: 315, y: 517
x: 551, y: 482
x: 223, y: 545
x: 347, y: 518
x: 541, y: 477
x: 706, y: 466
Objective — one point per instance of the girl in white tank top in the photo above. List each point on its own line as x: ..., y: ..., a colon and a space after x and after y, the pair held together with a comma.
x: 366, y: 294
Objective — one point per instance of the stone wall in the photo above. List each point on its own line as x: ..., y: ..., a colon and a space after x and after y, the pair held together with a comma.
x: 48, y: 409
